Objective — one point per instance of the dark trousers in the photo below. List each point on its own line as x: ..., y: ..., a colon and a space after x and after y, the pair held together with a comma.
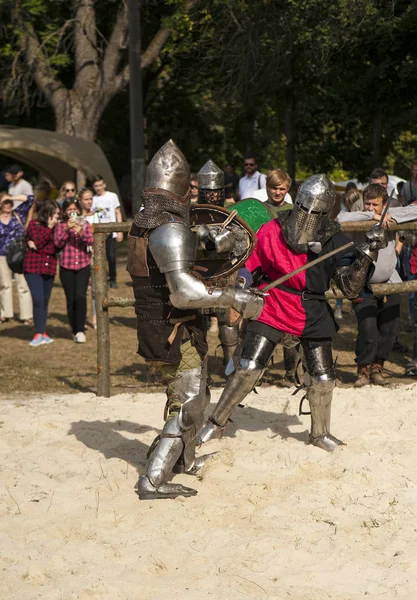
x: 40, y: 287
x: 378, y: 323
x: 75, y: 284
x: 111, y: 256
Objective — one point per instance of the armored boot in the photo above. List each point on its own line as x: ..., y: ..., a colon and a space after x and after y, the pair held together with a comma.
x: 363, y: 378
x: 319, y: 380
x: 377, y: 377
x: 319, y: 395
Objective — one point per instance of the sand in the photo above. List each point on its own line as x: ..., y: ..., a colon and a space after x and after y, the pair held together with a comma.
x: 273, y: 518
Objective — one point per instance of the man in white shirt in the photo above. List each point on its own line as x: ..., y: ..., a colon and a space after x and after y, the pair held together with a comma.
x: 17, y: 185
x: 107, y: 206
x: 252, y: 181
x: 378, y: 317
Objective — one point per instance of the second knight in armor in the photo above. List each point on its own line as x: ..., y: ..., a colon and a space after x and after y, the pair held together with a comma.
x: 211, y: 191
x: 161, y: 256
x: 297, y: 312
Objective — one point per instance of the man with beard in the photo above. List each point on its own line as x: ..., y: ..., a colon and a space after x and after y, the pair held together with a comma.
x: 296, y: 313
x: 161, y: 257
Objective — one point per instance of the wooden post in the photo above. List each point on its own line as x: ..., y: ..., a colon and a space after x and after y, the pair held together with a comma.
x: 103, y: 331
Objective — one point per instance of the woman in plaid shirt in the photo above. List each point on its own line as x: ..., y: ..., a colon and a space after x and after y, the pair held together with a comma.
x: 39, y: 265
x: 75, y: 237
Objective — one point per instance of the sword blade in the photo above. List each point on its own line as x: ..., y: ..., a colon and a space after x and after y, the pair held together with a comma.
x: 316, y: 261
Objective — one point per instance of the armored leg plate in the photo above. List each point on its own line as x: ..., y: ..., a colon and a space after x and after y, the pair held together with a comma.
x: 229, y: 339
x: 319, y: 379
x: 210, y: 431
x: 256, y: 353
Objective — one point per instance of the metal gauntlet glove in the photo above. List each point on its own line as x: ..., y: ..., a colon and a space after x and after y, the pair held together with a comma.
x: 245, y: 302
x: 221, y: 241
x: 376, y: 240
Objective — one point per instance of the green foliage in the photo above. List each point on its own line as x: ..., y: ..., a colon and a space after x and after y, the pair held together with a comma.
x: 335, y: 81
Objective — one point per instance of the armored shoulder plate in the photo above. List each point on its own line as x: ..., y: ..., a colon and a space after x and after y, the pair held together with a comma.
x: 173, y: 246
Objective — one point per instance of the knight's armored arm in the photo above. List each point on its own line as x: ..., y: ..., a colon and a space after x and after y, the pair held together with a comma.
x: 174, y: 247
x: 351, y: 279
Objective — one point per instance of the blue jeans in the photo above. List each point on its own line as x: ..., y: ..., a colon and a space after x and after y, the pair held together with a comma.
x: 40, y: 287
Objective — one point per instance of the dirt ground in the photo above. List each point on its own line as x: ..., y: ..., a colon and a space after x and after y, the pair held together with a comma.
x: 273, y: 519
x: 65, y: 367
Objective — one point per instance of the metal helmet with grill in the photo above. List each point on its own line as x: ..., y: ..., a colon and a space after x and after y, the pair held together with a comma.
x: 210, y: 184
x: 313, y: 203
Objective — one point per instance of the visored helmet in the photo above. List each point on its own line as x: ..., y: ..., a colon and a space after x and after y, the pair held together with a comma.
x: 313, y: 203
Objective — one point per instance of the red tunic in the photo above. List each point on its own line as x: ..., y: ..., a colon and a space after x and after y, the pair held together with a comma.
x: 286, y: 311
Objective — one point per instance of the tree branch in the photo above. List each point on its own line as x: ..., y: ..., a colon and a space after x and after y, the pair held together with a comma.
x: 150, y: 54
x: 37, y: 61
x: 117, y: 43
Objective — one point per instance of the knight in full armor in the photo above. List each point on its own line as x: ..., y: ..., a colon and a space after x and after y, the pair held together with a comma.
x: 162, y: 251
x: 297, y: 314
x: 211, y: 191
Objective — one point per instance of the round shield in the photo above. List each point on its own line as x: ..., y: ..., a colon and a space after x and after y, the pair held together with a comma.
x: 210, y: 265
x: 253, y: 212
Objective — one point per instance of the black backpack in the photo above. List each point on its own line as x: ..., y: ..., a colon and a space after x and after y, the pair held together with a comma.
x: 15, y: 252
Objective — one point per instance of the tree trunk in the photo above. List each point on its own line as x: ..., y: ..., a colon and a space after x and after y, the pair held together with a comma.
x: 75, y: 116
x: 377, y: 140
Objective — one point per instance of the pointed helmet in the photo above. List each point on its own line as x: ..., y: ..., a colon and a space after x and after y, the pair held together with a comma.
x: 210, y: 184
x: 210, y: 176
x: 169, y: 170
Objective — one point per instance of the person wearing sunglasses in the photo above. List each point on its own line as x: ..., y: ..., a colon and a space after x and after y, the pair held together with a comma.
x: 252, y: 180
x: 68, y: 191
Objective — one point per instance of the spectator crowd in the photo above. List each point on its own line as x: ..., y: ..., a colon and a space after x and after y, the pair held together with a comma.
x: 41, y: 228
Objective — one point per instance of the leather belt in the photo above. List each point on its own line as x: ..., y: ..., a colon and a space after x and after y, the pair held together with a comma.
x: 305, y: 294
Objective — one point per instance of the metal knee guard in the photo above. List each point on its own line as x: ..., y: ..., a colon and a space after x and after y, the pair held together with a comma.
x: 320, y: 381
x: 256, y: 353
x: 229, y: 338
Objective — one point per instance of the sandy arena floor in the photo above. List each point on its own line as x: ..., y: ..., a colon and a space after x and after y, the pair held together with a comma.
x: 273, y: 518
